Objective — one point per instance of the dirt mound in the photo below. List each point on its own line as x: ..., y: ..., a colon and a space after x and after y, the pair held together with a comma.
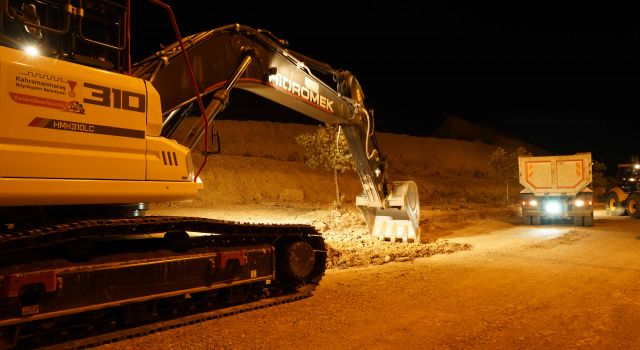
x: 348, y: 241
x: 247, y: 180
x: 261, y: 162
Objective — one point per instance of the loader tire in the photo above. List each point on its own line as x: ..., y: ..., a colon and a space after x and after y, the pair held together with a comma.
x: 613, y: 205
x: 633, y: 205
x: 578, y: 221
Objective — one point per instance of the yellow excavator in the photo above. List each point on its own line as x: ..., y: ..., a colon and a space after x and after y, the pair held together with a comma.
x: 89, y: 138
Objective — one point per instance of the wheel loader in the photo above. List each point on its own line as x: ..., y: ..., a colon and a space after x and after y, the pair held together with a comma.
x: 623, y: 198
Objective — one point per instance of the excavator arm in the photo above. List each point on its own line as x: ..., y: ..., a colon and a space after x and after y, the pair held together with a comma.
x: 241, y: 57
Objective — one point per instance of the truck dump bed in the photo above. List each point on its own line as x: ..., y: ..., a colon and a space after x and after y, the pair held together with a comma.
x: 555, y: 175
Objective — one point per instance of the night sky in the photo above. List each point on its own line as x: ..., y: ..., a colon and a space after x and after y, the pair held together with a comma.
x: 564, y: 79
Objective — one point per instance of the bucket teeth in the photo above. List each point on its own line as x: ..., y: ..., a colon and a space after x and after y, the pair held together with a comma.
x: 399, y: 222
x: 386, y: 228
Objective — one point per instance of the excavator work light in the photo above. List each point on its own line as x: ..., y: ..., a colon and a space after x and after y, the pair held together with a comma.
x: 31, y: 50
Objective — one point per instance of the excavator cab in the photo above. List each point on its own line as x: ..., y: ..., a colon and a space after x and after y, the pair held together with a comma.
x: 78, y: 138
x: 91, y: 33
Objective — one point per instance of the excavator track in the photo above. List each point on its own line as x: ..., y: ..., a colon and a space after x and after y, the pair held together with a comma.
x: 143, y: 330
x: 231, y: 268
x: 49, y: 235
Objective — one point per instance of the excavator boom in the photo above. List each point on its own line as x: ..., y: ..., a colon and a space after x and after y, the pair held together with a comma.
x: 241, y: 57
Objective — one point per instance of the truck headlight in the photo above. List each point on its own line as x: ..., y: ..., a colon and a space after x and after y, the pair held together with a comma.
x: 533, y: 203
x: 579, y: 203
x: 552, y: 207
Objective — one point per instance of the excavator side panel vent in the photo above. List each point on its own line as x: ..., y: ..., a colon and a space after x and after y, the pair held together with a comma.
x: 169, y: 158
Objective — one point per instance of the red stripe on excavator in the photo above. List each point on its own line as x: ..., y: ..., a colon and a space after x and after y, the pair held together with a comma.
x: 38, y: 122
x: 12, y: 284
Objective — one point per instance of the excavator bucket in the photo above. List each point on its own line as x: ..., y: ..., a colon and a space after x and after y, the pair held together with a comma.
x: 399, y: 221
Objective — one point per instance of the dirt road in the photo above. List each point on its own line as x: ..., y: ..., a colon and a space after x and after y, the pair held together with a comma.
x: 518, y: 287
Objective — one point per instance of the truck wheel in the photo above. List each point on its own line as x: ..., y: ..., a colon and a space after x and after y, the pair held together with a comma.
x: 588, y: 221
x: 536, y: 220
x: 526, y: 220
x: 613, y: 206
x: 633, y: 205
x: 578, y: 221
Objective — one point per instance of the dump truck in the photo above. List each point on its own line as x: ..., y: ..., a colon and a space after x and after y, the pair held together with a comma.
x: 556, y: 187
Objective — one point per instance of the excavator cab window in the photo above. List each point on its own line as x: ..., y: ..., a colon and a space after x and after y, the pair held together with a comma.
x: 25, y: 24
x: 88, y: 32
